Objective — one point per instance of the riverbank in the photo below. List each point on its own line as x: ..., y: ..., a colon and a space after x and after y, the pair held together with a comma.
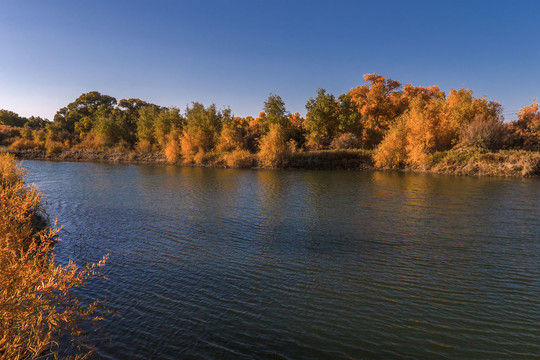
x: 314, y: 160
x: 469, y: 162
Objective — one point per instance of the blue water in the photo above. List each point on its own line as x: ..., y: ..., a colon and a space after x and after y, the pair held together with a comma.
x: 252, y: 264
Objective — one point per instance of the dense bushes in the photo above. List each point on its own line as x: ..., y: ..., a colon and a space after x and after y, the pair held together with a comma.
x: 37, y: 305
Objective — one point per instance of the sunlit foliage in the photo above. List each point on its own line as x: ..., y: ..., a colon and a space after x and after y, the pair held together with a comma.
x: 524, y: 133
x: 407, y: 124
x: 379, y: 102
x: 274, y: 149
x: 37, y: 304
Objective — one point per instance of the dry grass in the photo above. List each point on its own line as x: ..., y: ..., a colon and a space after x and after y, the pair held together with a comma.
x: 37, y: 305
x: 478, y: 161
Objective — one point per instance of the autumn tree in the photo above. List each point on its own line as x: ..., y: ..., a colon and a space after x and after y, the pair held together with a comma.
x: 434, y: 123
x: 525, y: 132
x: 379, y: 103
x: 274, y: 150
x: 254, y: 131
x: 462, y: 108
x: 202, y: 128
x: 233, y: 133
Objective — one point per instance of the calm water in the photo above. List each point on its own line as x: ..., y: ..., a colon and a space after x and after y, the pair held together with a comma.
x: 230, y: 264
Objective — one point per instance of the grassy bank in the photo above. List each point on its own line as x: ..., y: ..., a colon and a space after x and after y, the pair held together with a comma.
x: 470, y: 162
x: 475, y: 162
x: 37, y: 305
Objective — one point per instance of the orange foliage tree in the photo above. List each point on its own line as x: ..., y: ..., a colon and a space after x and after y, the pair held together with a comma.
x: 525, y: 132
x: 379, y: 102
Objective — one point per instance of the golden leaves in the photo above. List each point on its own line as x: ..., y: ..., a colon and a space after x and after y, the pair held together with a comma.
x: 36, y: 302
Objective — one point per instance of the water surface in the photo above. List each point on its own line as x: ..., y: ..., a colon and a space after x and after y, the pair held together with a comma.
x: 252, y: 264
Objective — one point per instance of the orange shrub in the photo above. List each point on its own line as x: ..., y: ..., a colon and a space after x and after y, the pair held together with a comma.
x: 239, y: 159
x: 144, y: 146
x: 54, y: 147
x: 172, y: 148
x: 8, y: 134
x: 37, y: 305
x: 274, y: 150
x: 23, y: 144
x: 391, y: 151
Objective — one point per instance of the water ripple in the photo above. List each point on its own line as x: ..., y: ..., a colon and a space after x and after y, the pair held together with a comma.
x: 217, y: 264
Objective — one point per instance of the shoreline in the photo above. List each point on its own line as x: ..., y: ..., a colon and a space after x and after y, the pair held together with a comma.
x: 465, y: 162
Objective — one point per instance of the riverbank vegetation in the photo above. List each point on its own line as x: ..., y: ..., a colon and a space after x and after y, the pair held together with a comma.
x: 37, y: 303
x: 379, y: 124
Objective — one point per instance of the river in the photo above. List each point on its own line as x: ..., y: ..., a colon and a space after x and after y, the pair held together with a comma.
x: 256, y: 264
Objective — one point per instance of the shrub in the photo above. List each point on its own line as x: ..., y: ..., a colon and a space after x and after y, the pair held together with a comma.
x: 524, y: 133
x: 187, y: 148
x: 346, y: 141
x: 199, y: 158
x: 54, y: 147
x: 230, y: 138
x: 482, y: 132
x: 274, y: 151
x: 239, y: 159
x: 121, y: 146
x: 144, y: 146
x: 37, y: 305
x: 172, y: 148
x: 23, y: 144
x: 391, y: 152
x: 316, y: 142
x: 89, y: 142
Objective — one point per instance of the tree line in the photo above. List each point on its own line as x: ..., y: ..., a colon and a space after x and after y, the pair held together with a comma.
x: 403, y: 125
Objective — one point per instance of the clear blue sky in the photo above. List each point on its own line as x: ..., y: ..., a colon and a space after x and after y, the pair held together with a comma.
x: 236, y: 52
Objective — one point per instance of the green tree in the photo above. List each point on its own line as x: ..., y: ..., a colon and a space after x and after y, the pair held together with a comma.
x: 322, y: 116
x: 80, y: 115
x: 203, y: 125
x: 11, y: 118
x: 145, y: 124
x: 275, y: 113
x: 36, y: 122
x: 349, y: 119
x: 167, y: 121
x: 129, y: 114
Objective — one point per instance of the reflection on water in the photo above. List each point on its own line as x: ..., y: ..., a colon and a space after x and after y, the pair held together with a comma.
x: 214, y: 263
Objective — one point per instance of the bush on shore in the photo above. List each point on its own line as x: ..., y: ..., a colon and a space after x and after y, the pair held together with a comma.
x: 37, y: 304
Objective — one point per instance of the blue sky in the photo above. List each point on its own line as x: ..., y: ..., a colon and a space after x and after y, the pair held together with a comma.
x: 234, y: 53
